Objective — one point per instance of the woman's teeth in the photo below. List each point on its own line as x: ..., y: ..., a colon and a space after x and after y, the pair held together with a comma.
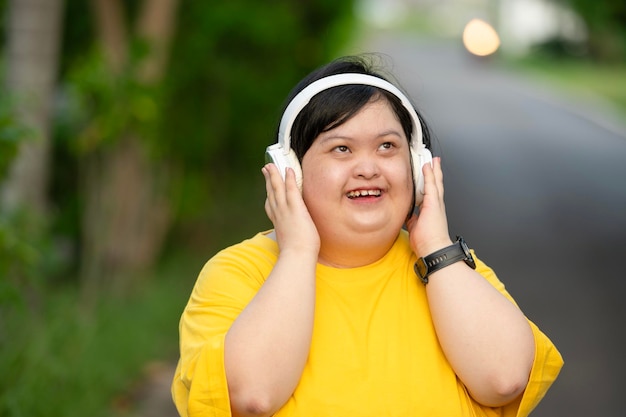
x: 363, y: 193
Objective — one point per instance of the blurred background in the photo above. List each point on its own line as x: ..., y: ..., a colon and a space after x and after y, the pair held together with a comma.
x: 132, y: 134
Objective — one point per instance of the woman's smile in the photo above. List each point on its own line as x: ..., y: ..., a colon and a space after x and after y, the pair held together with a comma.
x: 361, y: 194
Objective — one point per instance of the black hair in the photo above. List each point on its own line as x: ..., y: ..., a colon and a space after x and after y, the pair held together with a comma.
x: 334, y: 106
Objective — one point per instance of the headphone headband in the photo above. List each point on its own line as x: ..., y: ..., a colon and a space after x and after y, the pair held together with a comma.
x: 303, y: 97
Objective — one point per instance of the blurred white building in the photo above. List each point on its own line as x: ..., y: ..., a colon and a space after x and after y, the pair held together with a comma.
x: 520, y: 23
x: 527, y: 22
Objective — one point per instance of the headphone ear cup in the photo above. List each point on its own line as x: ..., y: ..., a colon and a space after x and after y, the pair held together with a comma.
x: 276, y: 156
x: 420, y: 157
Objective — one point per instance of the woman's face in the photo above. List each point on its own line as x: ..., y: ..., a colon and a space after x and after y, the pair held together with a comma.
x: 357, y: 180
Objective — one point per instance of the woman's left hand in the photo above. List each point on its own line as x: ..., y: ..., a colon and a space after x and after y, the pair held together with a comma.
x: 428, y: 231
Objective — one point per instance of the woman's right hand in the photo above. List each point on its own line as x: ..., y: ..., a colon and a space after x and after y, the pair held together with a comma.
x: 286, y: 209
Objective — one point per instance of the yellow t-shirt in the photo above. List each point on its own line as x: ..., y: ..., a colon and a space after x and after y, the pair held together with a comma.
x: 374, y: 350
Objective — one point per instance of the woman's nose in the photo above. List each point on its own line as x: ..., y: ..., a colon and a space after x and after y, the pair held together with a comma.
x: 366, y: 167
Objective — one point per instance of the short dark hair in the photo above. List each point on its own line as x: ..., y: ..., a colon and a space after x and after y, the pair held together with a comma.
x: 334, y: 106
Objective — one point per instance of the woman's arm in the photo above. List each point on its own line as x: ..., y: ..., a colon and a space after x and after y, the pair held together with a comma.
x: 485, y: 337
x: 267, y: 346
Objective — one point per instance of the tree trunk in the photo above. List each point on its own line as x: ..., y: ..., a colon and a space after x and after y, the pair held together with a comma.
x: 126, y: 213
x: 125, y: 218
x: 34, y: 33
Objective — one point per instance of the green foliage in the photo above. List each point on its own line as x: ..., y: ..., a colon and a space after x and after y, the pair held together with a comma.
x: 23, y: 241
x: 27, y: 258
x: 59, y: 360
x: 606, y: 22
x: 102, y: 107
x: 601, y: 12
x: 231, y: 69
x: 11, y: 133
x: 3, y: 22
x: 22, y: 246
x: 231, y: 66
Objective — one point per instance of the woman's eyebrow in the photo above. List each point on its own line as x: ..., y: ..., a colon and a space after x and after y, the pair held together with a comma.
x: 391, y: 132
x: 331, y: 137
x: 325, y: 137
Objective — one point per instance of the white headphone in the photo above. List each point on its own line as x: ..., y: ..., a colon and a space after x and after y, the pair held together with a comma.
x: 281, y: 154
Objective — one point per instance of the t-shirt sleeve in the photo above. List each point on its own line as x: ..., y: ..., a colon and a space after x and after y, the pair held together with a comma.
x: 546, y: 365
x: 224, y: 287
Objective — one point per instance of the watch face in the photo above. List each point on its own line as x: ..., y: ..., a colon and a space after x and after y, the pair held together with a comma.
x: 466, y: 249
x: 421, y: 270
x: 469, y: 259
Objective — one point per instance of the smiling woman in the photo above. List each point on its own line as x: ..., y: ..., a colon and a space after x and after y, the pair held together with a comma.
x: 329, y: 314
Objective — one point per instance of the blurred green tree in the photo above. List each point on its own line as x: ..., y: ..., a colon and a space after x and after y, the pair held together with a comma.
x: 166, y: 109
x: 125, y: 213
x: 31, y: 36
x: 606, y: 22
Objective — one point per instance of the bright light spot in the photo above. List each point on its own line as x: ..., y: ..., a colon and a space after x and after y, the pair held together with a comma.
x: 480, y: 38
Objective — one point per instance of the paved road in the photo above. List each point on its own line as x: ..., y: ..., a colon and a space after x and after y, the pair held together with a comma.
x: 536, y: 182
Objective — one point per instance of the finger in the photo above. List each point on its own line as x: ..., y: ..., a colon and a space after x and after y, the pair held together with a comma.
x: 294, y: 196
x: 274, y: 185
x: 270, y: 201
x: 268, y: 186
x: 269, y: 211
x: 430, y: 185
x: 438, y: 174
x: 277, y: 183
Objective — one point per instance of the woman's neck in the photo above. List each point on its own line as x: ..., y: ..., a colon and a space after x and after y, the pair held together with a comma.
x: 344, y: 254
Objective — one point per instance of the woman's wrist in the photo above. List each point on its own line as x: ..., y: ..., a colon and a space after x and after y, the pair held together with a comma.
x: 426, y: 248
x: 301, y: 253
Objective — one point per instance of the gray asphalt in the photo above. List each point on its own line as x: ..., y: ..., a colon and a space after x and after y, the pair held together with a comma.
x: 536, y: 183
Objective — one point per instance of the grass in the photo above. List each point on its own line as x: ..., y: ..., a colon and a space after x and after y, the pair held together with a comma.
x: 585, y: 78
x: 62, y: 361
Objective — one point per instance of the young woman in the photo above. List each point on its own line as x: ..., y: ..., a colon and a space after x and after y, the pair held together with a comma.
x: 353, y: 305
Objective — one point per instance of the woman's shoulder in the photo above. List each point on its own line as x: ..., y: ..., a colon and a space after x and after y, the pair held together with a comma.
x: 261, y: 243
x: 252, y: 257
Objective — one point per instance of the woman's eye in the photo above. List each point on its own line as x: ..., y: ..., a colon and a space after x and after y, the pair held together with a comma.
x: 342, y: 149
x: 387, y: 145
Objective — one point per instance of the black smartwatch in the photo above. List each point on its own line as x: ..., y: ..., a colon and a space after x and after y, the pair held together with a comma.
x: 459, y: 251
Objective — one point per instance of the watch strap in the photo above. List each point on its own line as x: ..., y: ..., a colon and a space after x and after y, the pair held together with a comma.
x: 449, y: 255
